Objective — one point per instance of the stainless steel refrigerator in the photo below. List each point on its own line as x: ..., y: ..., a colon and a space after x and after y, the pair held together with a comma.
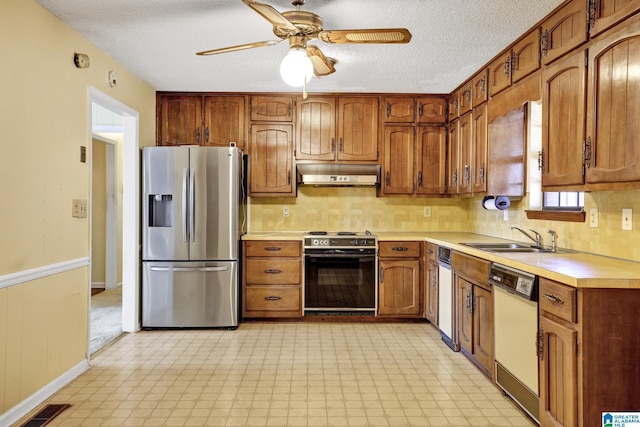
x: 193, y: 217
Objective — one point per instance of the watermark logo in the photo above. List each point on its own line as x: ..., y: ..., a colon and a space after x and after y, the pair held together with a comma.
x: 621, y: 419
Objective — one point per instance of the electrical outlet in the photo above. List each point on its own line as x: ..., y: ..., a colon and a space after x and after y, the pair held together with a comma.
x: 427, y: 211
x: 627, y: 219
x: 593, y: 217
x: 285, y: 211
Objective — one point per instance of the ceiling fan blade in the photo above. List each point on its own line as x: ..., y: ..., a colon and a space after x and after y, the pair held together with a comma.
x: 380, y: 35
x: 322, y: 66
x: 271, y: 15
x: 238, y: 47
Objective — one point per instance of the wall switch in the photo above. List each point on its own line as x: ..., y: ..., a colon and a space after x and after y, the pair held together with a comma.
x: 427, y: 211
x: 627, y: 219
x: 79, y: 208
x: 593, y: 217
x: 285, y: 211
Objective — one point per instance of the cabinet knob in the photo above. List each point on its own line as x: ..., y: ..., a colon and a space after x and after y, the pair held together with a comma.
x: 554, y: 298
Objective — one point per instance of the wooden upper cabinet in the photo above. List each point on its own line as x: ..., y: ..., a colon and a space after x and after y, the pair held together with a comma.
x: 358, y: 128
x: 479, y: 86
x: 564, y: 30
x: 563, y: 110
x: 272, y: 108
x: 604, y: 14
x: 518, y: 62
x: 452, y: 158
x: 431, y: 155
x: 480, y: 146
x: 464, y: 98
x: 224, y: 121
x: 270, y: 159
x: 452, y: 106
x: 399, y: 109
x: 465, y: 153
x: 316, y: 129
x: 431, y: 110
x: 399, y: 146
x: 613, y: 122
x: 179, y: 120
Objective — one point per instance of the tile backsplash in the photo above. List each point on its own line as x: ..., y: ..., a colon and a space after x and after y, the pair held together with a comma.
x: 358, y: 208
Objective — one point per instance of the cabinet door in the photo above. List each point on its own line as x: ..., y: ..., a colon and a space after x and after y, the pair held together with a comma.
x: 431, y: 110
x: 558, y: 375
x: 452, y: 159
x: 399, y: 110
x: 180, y: 120
x: 431, y: 157
x: 483, y: 327
x: 452, y: 106
x: 464, y: 313
x: 465, y: 134
x: 604, y: 14
x: 479, y: 88
x: 563, y: 110
x: 564, y: 30
x: 399, y: 291
x: 480, y: 148
x: 431, y: 284
x: 500, y: 74
x: 613, y: 119
x: 525, y: 56
x: 316, y: 129
x: 270, y: 153
x: 224, y: 121
x: 358, y: 129
x: 272, y: 108
x: 464, y: 99
x: 399, y: 146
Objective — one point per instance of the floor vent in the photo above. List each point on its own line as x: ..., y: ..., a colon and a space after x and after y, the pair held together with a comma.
x: 43, y: 417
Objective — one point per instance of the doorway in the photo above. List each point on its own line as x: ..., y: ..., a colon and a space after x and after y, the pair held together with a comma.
x: 129, y: 188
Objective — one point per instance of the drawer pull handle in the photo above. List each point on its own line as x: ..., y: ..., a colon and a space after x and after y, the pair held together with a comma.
x: 400, y: 249
x: 272, y: 298
x: 272, y: 248
x: 273, y: 271
x: 554, y: 298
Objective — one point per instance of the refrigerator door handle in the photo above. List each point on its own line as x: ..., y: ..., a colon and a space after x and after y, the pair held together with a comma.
x: 189, y: 268
x: 192, y: 204
x: 184, y: 204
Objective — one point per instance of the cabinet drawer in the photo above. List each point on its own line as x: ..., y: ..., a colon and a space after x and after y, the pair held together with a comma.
x: 399, y: 249
x: 432, y: 251
x: 271, y: 249
x: 558, y: 299
x: 476, y: 269
x: 273, y: 271
x: 273, y: 298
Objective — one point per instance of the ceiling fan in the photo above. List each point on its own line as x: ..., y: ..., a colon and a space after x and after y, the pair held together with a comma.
x: 300, y: 26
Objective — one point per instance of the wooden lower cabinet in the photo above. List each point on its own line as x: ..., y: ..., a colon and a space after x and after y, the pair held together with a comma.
x: 589, y: 361
x: 474, y: 310
x: 400, y: 290
x: 271, y: 279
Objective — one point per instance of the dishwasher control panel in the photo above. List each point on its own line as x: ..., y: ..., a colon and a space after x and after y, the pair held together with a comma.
x: 515, y: 281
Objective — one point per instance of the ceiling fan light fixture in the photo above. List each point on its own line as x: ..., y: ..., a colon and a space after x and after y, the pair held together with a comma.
x: 296, y: 69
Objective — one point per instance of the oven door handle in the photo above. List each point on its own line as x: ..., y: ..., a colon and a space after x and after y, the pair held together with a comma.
x: 339, y: 255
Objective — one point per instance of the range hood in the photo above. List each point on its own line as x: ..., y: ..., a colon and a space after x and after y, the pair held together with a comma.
x: 338, y: 174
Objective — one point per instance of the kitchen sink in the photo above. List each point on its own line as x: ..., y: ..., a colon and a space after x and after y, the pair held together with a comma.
x: 508, y: 247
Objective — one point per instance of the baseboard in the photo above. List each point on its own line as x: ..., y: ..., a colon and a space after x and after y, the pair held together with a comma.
x: 98, y: 285
x: 23, y: 408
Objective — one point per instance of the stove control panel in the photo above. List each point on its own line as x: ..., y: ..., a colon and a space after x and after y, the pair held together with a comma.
x: 339, y: 241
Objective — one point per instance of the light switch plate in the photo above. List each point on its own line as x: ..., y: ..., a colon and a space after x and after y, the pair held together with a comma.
x: 593, y: 217
x: 627, y: 219
x: 285, y: 211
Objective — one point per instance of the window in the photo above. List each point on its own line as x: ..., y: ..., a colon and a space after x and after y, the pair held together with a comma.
x: 564, y: 201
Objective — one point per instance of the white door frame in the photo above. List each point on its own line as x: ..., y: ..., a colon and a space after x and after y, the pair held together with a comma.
x: 110, y: 265
x: 130, y: 206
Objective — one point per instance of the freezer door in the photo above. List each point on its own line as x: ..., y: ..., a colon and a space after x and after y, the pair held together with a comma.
x: 215, y: 186
x: 190, y: 294
x: 165, y: 202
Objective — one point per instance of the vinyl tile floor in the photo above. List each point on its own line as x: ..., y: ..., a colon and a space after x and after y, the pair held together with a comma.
x: 285, y: 374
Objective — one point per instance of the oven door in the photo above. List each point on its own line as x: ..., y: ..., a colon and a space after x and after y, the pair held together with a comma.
x: 345, y: 282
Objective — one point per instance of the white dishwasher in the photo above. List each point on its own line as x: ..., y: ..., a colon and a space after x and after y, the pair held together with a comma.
x: 445, y: 297
x: 515, y: 299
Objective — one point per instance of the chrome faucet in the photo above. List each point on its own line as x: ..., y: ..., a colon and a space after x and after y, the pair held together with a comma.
x: 554, y: 236
x: 537, y: 239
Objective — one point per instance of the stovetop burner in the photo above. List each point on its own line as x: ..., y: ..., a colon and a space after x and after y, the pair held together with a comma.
x: 346, y: 233
x: 318, y: 233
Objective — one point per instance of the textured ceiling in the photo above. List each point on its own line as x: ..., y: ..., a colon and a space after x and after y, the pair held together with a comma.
x: 157, y: 41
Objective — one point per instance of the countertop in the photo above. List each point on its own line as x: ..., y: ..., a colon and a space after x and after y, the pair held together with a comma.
x: 577, y: 269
